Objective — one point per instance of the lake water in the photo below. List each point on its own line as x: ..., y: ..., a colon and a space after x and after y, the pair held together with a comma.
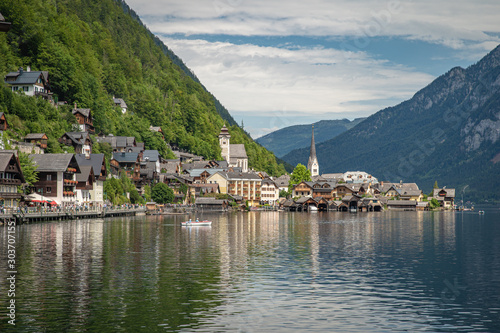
x: 258, y: 272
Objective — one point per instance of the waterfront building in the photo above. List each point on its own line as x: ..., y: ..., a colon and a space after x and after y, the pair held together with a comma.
x: 11, y: 176
x: 312, y: 164
x: 445, y: 196
x: 246, y: 185
x: 100, y: 173
x: 56, y: 177
x: 270, y: 192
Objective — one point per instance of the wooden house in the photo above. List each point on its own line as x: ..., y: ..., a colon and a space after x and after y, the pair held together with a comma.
x: 38, y: 139
x: 81, y: 141
x: 11, y: 176
x: 84, y: 118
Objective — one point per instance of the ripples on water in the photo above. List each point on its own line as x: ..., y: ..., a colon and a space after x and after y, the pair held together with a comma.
x: 255, y: 272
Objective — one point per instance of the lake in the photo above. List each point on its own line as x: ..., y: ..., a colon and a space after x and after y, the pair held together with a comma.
x: 258, y: 272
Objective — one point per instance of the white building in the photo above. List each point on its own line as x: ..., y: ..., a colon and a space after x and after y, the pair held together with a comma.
x: 359, y: 177
x: 234, y: 154
x: 312, y: 164
x: 270, y: 192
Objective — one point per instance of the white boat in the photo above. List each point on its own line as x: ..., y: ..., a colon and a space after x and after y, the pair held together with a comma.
x: 313, y: 208
x: 196, y: 223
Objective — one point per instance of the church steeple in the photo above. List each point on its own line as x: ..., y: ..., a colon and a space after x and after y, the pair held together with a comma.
x: 312, y: 164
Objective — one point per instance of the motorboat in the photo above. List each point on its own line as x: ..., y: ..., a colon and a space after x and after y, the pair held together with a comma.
x: 196, y: 223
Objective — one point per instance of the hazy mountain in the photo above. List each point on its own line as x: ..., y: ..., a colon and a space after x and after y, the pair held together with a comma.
x: 284, y: 140
x: 449, y: 131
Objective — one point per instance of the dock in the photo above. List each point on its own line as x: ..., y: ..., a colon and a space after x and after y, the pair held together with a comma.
x: 40, y: 216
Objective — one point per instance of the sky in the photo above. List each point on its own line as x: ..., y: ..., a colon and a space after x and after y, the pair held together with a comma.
x: 276, y: 63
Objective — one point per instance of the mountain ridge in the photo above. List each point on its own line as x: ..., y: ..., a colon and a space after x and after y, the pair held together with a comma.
x: 280, y: 144
x: 447, y: 131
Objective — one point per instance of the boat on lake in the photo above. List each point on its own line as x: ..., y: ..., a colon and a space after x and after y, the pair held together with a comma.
x: 196, y: 223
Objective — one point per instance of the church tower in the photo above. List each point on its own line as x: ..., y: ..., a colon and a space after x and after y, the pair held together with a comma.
x: 312, y: 164
x: 224, y: 137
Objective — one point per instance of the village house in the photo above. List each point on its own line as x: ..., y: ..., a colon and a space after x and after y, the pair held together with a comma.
x: 282, y: 182
x: 119, y: 102
x: 270, y: 192
x: 81, y: 141
x: 100, y: 173
x: 31, y: 83
x: 244, y: 184
x: 56, y: 178
x: 84, y: 185
x: 359, y: 177
x: 11, y: 176
x: 84, y: 118
x: 445, y: 196
x: 303, y: 189
x: 4, y: 26
x: 130, y: 163
x: 38, y: 139
x: 120, y: 144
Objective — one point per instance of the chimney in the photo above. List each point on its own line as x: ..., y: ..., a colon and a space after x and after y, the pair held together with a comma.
x: 75, y: 105
x: 20, y: 70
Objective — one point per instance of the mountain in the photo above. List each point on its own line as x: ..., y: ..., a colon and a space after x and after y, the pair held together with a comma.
x: 449, y: 131
x: 94, y: 50
x: 280, y: 144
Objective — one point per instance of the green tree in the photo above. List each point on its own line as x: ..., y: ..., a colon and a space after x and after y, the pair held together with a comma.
x: 434, y: 203
x: 436, y: 184
x: 300, y: 174
x: 28, y: 169
x: 135, y: 197
x: 161, y: 193
x: 147, y: 193
x: 283, y: 194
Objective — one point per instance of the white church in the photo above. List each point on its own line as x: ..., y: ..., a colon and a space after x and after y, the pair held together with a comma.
x: 234, y: 154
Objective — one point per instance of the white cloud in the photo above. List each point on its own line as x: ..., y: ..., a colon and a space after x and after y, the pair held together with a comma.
x: 311, y: 80
x: 447, y: 22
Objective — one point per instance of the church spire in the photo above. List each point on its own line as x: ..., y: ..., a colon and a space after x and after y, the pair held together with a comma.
x: 312, y: 164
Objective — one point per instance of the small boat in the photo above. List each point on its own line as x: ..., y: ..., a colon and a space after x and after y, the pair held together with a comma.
x: 196, y: 223
x: 481, y: 212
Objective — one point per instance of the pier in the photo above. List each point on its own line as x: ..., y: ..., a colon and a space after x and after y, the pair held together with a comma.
x: 42, y: 215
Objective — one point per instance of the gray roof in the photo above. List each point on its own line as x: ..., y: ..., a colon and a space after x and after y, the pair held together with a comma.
x: 78, y: 137
x: 410, y: 193
x: 151, y: 155
x: 125, y: 157
x: 85, y: 112
x: 94, y: 160
x: 198, y: 172
x: 53, y: 162
x: 209, y: 201
x: 34, y: 136
x: 27, y: 77
x: 84, y: 174
x: 241, y: 175
x: 120, y: 102
x: 238, y: 151
x: 450, y: 192
x: 401, y: 203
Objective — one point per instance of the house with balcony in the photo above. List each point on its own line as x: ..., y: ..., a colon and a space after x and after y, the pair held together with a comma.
x: 100, y: 173
x: 84, y: 118
x: 445, y: 196
x: 81, y: 141
x: 56, y: 178
x: 85, y: 185
x: 31, y: 83
x: 246, y: 185
x: 130, y: 163
x: 270, y: 192
x: 11, y: 177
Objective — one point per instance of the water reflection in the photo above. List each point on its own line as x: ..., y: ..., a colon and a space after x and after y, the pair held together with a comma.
x: 260, y: 271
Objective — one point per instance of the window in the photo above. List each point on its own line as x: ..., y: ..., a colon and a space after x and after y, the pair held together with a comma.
x: 49, y: 189
x: 49, y: 178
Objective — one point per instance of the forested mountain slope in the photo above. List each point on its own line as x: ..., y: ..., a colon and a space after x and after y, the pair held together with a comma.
x: 94, y: 50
